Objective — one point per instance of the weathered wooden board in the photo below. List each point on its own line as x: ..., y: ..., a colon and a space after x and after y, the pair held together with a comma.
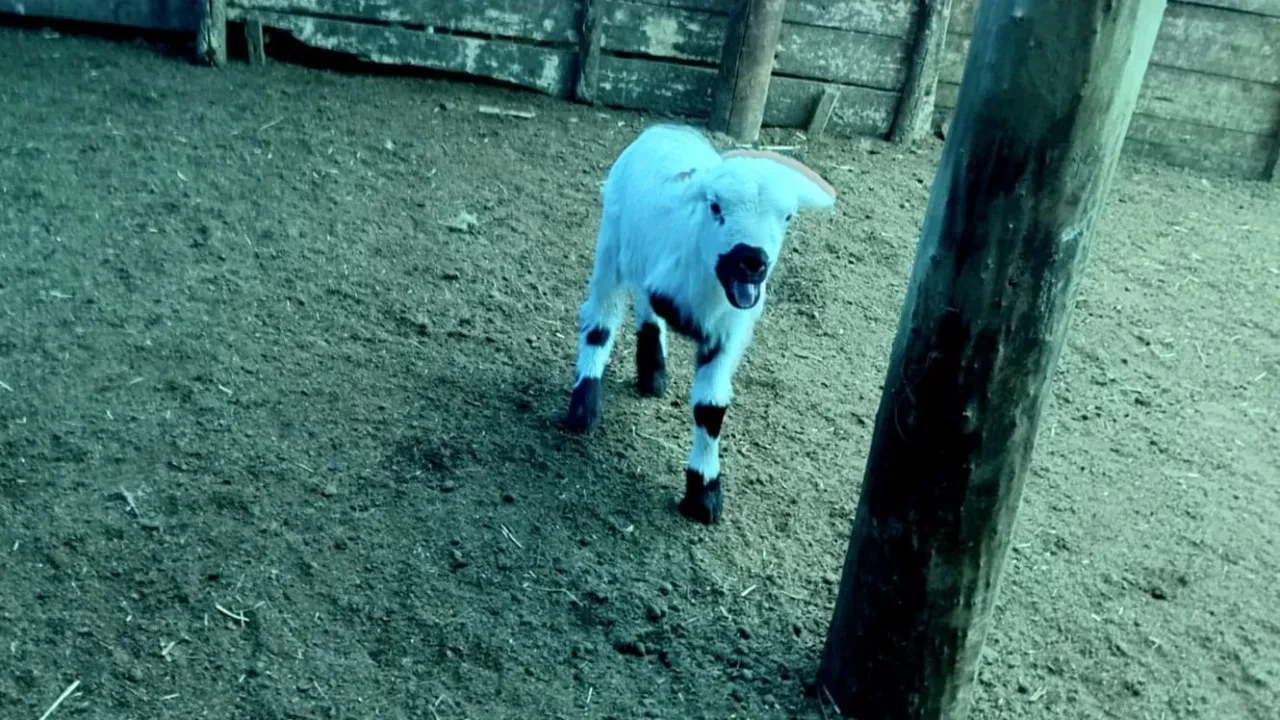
x: 1242, y: 11
x: 1177, y: 141
x: 1193, y: 98
x: 963, y: 13
x: 1195, y: 37
x: 544, y: 20
x: 804, y: 51
x: 1177, y: 94
x: 1202, y: 148
x: 686, y: 90
x: 545, y: 69
x: 882, y: 17
x: 1208, y: 100
x: 1261, y: 7
x: 175, y: 15
x: 1220, y: 42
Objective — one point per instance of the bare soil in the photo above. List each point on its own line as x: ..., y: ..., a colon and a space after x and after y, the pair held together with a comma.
x: 277, y: 442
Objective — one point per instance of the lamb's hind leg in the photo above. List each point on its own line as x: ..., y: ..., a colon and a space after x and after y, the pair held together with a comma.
x: 599, y: 318
x: 651, y: 350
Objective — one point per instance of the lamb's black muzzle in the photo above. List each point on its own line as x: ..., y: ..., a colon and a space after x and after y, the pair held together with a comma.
x: 742, y: 272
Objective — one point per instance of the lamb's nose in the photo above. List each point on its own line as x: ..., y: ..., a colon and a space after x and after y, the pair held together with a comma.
x: 752, y: 265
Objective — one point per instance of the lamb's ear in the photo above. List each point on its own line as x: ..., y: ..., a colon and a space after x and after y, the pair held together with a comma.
x: 811, y: 189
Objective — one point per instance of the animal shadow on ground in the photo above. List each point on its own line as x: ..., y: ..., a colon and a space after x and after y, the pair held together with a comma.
x: 493, y: 437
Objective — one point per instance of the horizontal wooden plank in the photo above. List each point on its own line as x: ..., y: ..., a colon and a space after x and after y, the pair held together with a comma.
x: 1177, y: 94
x: 804, y: 51
x: 1220, y: 42
x: 1182, y: 143
x: 963, y: 13
x: 1231, y: 153
x: 859, y: 111
x: 642, y: 84
x: 1209, y: 40
x: 545, y: 69
x: 1260, y: 7
x: 882, y: 17
x: 1209, y: 100
x: 544, y: 20
x: 172, y: 15
x: 1238, y: 12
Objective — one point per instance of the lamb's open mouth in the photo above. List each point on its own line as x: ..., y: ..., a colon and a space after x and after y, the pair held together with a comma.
x: 742, y: 295
x: 742, y: 272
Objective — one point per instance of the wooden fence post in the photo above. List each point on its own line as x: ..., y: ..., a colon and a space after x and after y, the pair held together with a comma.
x: 1048, y: 92
x: 914, y: 115
x: 254, y: 41
x: 211, y: 38
x: 589, y: 51
x: 746, y: 65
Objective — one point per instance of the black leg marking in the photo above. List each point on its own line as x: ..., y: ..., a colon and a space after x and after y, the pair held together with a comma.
x: 709, y: 418
x: 703, y: 501
x: 707, y: 353
x: 585, y: 405
x: 677, y: 319
x: 651, y: 366
x: 597, y: 336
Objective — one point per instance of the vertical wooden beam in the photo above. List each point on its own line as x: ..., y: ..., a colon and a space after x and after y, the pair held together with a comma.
x: 211, y: 37
x: 1046, y: 100
x: 254, y: 41
x: 746, y: 66
x: 589, y: 51
x: 1272, y: 170
x: 914, y: 116
x: 822, y: 112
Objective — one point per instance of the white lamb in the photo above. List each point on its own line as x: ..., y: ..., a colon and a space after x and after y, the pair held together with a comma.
x: 692, y: 236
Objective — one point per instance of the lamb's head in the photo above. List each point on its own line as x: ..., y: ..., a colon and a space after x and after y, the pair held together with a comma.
x: 742, y: 208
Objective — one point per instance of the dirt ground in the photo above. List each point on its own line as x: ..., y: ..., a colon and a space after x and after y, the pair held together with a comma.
x: 279, y: 443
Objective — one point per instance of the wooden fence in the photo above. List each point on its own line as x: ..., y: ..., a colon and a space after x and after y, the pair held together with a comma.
x: 1211, y: 99
x: 172, y: 15
x: 655, y: 54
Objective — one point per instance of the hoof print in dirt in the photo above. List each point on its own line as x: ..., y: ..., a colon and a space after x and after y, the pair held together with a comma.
x: 631, y: 647
x: 585, y: 405
x: 703, y: 501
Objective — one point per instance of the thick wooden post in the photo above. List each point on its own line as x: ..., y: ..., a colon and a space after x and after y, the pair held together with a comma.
x: 746, y: 66
x: 211, y: 37
x: 1048, y: 92
x: 916, y: 103
x: 589, y: 51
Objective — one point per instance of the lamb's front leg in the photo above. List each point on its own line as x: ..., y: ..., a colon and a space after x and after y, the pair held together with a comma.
x: 710, y: 396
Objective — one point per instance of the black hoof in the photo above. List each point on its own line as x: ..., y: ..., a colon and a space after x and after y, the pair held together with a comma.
x: 585, y: 406
x: 652, y: 384
x: 703, y: 501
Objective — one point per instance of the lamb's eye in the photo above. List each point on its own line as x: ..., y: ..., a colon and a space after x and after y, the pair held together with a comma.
x: 715, y: 208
